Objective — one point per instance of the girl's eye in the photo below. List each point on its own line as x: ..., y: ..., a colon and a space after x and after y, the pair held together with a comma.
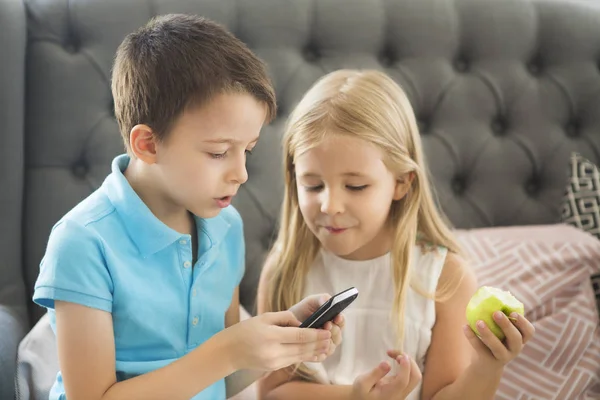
x: 218, y: 155
x: 248, y: 152
x: 357, y: 188
x: 313, y: 188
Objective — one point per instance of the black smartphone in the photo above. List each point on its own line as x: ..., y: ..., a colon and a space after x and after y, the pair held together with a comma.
x: 330, y: 309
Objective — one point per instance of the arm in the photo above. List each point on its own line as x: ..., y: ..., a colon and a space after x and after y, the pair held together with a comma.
x: 282, y: 384
x: 86, y: 353
x: 449, y: 372
x: 241, y: 379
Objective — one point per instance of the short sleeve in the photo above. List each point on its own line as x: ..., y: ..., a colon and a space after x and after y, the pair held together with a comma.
x: 73, y: 269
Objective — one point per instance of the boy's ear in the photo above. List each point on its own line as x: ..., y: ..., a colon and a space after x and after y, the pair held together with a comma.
x: 142, y: 143
x: 403, y: 184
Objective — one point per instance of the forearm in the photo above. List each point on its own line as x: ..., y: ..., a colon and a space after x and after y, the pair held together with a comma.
x: 182, y: 379
x: 475, y: 383
x: 240, y: 380
x: 298, y: 390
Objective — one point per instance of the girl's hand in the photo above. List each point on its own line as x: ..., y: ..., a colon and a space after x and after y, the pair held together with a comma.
x: 375, y: 385
x: 309, y: 305
x: 493, y: 352
x: 272, y: 341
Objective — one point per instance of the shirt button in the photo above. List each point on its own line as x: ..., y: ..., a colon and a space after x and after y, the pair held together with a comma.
x: 182, y: 241
x: 195, y: 321
x: 187, y: 264
x: 194, y: 293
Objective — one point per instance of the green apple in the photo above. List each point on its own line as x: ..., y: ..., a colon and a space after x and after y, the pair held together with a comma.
x: 485, y: 302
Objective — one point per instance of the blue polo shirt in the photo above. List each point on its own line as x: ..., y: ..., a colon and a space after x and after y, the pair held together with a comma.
x: 111, y: 253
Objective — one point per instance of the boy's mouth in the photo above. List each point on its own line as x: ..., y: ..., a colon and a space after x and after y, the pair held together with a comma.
x: 224, y: 201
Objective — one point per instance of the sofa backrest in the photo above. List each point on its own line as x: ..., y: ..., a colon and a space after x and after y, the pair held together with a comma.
x: 503, y: 91
x: 12, y: 103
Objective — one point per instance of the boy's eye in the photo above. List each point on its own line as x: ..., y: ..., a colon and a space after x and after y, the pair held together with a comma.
x: 218, y: 155
x: 357, y: 188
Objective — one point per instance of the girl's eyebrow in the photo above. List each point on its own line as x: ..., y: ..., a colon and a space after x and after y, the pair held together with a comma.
x: 315, y: 175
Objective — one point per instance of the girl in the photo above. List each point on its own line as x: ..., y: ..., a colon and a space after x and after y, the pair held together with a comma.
x: 358, y: 211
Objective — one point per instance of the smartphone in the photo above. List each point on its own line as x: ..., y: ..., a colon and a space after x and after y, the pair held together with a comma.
x: 332, y: 307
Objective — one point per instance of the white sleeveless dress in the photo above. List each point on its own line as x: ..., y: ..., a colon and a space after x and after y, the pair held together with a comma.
x: 369, y: 333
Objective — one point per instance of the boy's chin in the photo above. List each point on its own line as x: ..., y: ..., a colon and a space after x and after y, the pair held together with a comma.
x: 205, y: 212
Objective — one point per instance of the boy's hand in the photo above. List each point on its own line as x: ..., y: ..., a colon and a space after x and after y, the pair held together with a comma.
x: 309, y: 305
x: 272, y: 341
x: 375, y: 385
x: 493, y: 352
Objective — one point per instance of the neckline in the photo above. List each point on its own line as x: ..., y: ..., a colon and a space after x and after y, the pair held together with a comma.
x: 330, y: 257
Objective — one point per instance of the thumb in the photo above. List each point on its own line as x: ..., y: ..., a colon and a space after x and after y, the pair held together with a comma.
x: 282, y: 318
x: 370, y: 379
x: 309, y: 305
x: 323, y: 298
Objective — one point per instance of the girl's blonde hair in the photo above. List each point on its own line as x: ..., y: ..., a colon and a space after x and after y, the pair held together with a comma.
x: 368, y: 105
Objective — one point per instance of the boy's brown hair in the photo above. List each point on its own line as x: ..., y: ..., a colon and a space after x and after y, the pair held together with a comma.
x: 178, y: 61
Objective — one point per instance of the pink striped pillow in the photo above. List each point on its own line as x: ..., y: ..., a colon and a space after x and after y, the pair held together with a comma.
x: 549, y: 269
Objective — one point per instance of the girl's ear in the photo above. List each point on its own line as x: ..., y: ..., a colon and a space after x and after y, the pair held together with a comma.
x: 403, y: 184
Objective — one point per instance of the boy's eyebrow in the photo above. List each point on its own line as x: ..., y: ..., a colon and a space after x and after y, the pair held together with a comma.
x: 228, y: 140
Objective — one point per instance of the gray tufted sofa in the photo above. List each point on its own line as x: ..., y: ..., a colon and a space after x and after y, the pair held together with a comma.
x: 503, y: 90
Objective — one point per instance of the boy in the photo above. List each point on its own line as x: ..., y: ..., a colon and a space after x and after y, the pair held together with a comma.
x: 141, y: 278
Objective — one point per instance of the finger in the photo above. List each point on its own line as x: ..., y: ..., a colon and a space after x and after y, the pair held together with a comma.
x: 328, y: 325
x: 366, y: 381
x: 394, y: 353
x: 291, y: 335
x: 499, y: 351
x: 524, y: 326
x: 475, y: 342
x: 403, y: 376
x: 288, y: 360
x: 415, y: 376
x: 317, y: 351
x: 336, y: 335
x: 514, y: 340
x: 281, y: 318
x: 340, y: 321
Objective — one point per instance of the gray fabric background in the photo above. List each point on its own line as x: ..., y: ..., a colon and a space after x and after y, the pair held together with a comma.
x: 503, y: 90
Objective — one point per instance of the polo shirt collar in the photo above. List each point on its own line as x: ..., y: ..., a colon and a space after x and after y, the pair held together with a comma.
x: 150, y: 234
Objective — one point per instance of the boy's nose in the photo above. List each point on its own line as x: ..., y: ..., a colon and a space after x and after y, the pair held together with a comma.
x: 239, y: 173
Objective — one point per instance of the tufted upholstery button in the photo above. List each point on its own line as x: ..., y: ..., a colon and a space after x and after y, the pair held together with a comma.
x: 423, y: 125
x: 535, y: 67
x: 266, y: 241
x: 459, y: 185
x: 311, y: 53
x: 572, y: 129
x: 80, y: 169
x: 71, y: 46
x: 461, y: 64
x: 499, y: 126
x: 532, y: 187
x: 387, y: 58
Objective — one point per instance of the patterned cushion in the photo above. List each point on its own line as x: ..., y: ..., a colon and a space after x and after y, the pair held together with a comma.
x: 581, y: 207
x: 548, y: 268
